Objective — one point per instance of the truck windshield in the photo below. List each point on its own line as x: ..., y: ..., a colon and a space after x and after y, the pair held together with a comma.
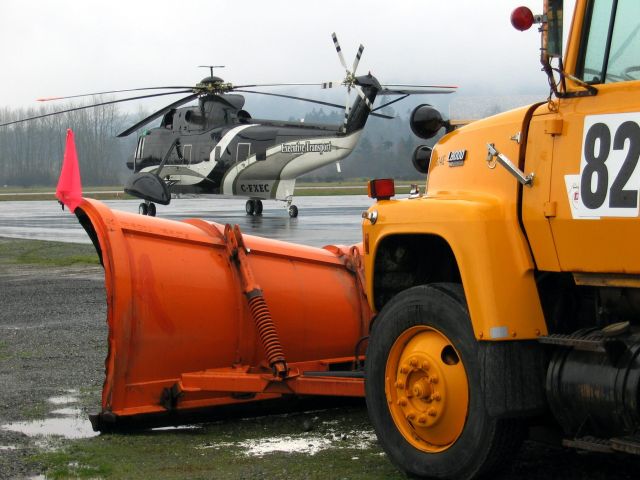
x: 610, y: 49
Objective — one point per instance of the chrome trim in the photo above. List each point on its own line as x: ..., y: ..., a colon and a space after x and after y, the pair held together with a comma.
x: 508, y: 164
x: 372, y: 216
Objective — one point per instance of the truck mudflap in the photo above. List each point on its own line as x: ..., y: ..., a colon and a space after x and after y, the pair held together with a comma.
x: 201, y: 316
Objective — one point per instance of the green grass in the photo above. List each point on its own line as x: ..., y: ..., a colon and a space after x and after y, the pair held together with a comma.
x: 37, y: 252
x: 34, y: 411
x: 216, y: 451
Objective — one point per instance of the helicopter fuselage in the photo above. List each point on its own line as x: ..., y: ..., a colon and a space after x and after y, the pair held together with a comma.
x: 218, y: 150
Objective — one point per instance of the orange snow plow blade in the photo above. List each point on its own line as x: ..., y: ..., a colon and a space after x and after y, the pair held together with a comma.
x: 201, y: 316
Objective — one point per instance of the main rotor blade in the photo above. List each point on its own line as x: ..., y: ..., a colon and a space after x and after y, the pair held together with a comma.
x: 335, y: 105
x: 275, y: 85
x: 412, y: 91
x: 47, y: 99
x: 339, y: 50
x: 332, y: 84
x: 418, y: 86
x: 319, y: 102
x: 159, y: 113
x: 389, y: 103
x: 91, y: 106
x: 357, y: 59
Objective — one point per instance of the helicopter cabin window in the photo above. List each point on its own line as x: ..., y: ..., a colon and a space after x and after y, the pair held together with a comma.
x: 217, y: 153
x: 243, y: 152
x: 611, y: 42
x: 186, y: 153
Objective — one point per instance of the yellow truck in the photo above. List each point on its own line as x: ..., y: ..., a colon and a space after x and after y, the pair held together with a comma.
x: 507, y: 295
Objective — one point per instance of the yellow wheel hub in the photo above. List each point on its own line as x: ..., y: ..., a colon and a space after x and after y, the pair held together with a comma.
x: 427, y: 389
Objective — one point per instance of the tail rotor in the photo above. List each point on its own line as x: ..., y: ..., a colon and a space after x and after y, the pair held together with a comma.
x: 350, y: 81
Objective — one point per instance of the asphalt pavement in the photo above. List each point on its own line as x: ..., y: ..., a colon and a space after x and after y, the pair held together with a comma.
x: 322, y: 220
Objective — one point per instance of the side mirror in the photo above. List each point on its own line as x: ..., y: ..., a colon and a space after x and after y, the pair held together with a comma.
x: 421, y: 158
x: 426, y: 121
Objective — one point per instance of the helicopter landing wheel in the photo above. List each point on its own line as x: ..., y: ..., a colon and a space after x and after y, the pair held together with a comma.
x: 151, y: 209
x: 293, y: 211
x: 143, y: 209
x: 258, y: 207
x: 250, y: 207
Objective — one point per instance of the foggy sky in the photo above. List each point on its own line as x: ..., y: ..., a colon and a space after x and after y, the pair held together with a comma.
x: 50, y: 48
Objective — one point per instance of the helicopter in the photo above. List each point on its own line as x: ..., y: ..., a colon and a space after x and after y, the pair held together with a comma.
x: 216, y: 147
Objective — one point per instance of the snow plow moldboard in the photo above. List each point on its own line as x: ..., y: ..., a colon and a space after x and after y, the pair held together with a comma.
x: 202, y: 318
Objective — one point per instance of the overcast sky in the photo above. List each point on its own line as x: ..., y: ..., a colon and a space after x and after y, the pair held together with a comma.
x: 50, y: 48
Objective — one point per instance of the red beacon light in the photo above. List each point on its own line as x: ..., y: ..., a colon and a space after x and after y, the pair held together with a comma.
x: 522, y: 18
x: 381, y: 188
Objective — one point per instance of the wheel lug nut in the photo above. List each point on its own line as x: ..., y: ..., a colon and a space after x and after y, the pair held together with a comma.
x: 425, y: 365
x: 436, y: 396
x: 402, y: 402
x: 432, y: 412
x: 411, y: 416
x: 433, y: 379
x: 404, y: 369
x: 413, y: 362
x: 422, y: 419
x: 399, y: 384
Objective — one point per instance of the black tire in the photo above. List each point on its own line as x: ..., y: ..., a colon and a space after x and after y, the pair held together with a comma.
x: 151, y: 210
x: 293, y: 211
x: 250, y: 207
x: 483, y: 443
x: 143, y: 209
x: 258, y: 210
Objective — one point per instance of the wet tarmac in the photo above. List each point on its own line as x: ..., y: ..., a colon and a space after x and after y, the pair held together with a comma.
x: 322, y: 220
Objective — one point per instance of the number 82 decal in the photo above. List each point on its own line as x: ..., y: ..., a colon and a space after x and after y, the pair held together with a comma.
x: 609, y: 178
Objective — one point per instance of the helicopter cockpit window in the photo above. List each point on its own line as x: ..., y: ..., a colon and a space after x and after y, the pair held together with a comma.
x: 611, y: 46
x: 167, y: 120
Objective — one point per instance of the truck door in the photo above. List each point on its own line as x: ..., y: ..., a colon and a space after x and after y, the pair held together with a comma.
x: 595, y: 180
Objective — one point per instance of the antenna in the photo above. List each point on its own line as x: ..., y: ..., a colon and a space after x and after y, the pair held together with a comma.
x: 211, y: 67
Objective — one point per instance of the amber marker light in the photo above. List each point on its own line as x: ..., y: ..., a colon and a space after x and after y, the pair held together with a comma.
x: 522, y: 19
x: 381, y: 188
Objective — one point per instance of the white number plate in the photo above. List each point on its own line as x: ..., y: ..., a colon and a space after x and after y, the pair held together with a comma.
x: 609, y: 179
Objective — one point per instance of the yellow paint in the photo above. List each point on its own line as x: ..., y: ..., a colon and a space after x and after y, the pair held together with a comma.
x: 474, y: 208
x: 428, y: 398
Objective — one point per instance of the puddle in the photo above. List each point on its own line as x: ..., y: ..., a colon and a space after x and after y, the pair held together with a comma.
x: 71, y: 397
x: 309, y: 444
x: 178, y: 428
x: 69, y: 422
x: 69, y: 411
x: 66, y: 427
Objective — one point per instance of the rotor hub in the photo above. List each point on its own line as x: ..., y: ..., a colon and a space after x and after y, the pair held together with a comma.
x: 213, y: 85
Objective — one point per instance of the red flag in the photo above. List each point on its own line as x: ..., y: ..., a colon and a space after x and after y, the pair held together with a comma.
x: 69, y: 190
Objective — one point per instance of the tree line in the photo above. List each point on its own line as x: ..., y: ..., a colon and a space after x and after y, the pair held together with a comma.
x: 31, y: 152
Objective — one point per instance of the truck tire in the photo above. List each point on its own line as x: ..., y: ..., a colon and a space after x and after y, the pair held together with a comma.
x: 424, y: 391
